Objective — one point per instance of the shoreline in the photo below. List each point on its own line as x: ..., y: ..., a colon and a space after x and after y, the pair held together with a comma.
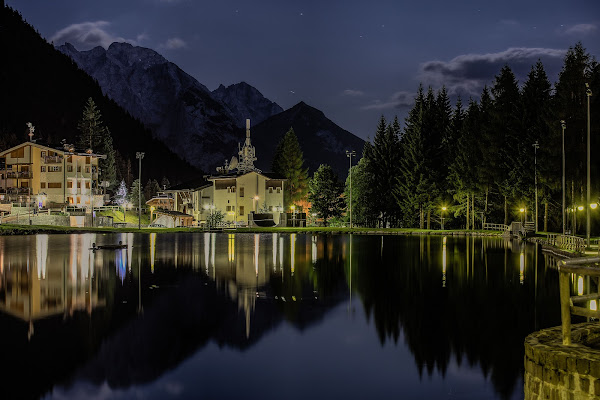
x: 10, y: 229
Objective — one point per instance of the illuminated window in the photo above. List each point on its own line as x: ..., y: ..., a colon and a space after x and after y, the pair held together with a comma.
x: 54, y: 169
x: 87, y: 185
x: 43, y: 154
x: 70, y: 200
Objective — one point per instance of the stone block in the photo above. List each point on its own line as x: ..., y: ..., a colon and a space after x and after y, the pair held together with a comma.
x: 561, y: 361
x: 584, y: 384
x: 550, y: 376
x: 597, y: 387
x: 571, y: 385
x: 595, y: 368
x: 571, y: 364
x: 583, y: 367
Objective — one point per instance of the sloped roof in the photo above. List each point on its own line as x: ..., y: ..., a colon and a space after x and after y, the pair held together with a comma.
x: 194, y: 184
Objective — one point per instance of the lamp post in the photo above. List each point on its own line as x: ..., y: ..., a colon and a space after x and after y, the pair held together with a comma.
x: 536, y: 146
x: 293, y: 215
x: 350, y: 154
x: 522, y: 211
x: 563, y: 125
x: 443, y: 209
x: 255, y: 198
x: 588, y: 92
x: 139, y: 155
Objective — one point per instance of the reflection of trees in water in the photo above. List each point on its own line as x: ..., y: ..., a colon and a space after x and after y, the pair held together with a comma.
x: 481, y: 316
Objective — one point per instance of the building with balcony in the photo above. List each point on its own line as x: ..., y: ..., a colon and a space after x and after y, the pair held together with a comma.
x: 239, y: 190
x: 49, y: 177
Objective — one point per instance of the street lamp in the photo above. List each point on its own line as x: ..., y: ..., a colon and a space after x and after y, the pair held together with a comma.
x: 255, y: 198
x: 588, y: 92
x: 564, y: 125
x: 139, y: 155
x: 535, y: 147
x: 350, y: 154
x: 293, y: 215
x: 522, y: 211
x: 443, y: 209
x: 151, y: 213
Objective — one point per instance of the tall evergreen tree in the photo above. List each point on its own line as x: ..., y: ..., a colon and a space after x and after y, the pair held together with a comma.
x: 382, y: 159
x: 537, y: 122
x: 94, y: 135
x: 325, y: 193
x: 463, y: 171
x: 571, y: 106
x: 363, y: 211
x: 414, y: 185
x: 288, y: 161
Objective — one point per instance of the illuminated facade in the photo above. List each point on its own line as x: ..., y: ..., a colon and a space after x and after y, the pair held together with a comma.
x: 238, y: 190
x: 49, y: 177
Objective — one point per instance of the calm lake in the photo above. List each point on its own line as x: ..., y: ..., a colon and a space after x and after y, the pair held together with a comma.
x: 269, y: 316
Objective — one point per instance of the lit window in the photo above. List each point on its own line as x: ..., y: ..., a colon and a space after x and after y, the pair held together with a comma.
x: 43, y: 168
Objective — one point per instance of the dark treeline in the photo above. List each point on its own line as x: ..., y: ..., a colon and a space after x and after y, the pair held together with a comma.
x: 478, y: 159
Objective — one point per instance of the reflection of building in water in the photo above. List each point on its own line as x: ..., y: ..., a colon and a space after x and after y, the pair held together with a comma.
x: 39, y: 281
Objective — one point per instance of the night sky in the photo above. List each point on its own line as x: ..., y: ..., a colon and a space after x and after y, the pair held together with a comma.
x: 354, y: 60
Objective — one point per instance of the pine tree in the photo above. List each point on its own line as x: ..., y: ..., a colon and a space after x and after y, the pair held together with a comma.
x: 381, y: 159
x: 135, y: 193
x: 537, y: 121
x: 462, y: 177
x: 570, y: 103
x: 95, y: 136
x: 325, y: 194
x: 414, y: 185
x: 363, y: 211
x: 288, y: 161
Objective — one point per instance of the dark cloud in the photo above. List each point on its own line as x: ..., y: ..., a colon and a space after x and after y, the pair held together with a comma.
x: 402, y: 99
x: 87, y: 35
x: 468, y: 73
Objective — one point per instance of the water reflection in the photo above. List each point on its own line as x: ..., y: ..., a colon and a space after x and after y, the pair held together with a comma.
x: 455, y: 302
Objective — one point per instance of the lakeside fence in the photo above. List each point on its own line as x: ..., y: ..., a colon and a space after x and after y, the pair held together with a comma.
x: 565, y: 242
x: 495, y: 227
x: 571, y: 305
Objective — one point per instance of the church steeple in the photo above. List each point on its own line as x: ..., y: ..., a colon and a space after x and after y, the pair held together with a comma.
x: 247, y: 154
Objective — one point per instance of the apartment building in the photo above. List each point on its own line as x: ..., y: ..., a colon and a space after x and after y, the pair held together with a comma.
x: 49, y: 177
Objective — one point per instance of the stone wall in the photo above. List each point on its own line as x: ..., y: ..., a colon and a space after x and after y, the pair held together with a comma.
x: 556, y: 372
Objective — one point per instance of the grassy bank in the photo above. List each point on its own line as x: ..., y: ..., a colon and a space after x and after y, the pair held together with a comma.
x: 9, y: 229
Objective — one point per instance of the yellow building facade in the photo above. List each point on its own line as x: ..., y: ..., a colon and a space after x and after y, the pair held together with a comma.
x: 49, y: 177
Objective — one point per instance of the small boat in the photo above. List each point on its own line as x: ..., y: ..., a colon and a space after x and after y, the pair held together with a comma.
x: 109, y: 246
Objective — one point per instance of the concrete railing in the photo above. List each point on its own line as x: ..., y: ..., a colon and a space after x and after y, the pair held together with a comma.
x: 569, y: 305
x: 565, y: 242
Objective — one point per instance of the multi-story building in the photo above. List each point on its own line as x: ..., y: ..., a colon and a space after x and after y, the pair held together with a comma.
x: 49, y: 177
x: 238, y: 190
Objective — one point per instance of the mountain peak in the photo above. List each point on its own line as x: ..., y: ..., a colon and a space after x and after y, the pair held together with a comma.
x: 245, y: 101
